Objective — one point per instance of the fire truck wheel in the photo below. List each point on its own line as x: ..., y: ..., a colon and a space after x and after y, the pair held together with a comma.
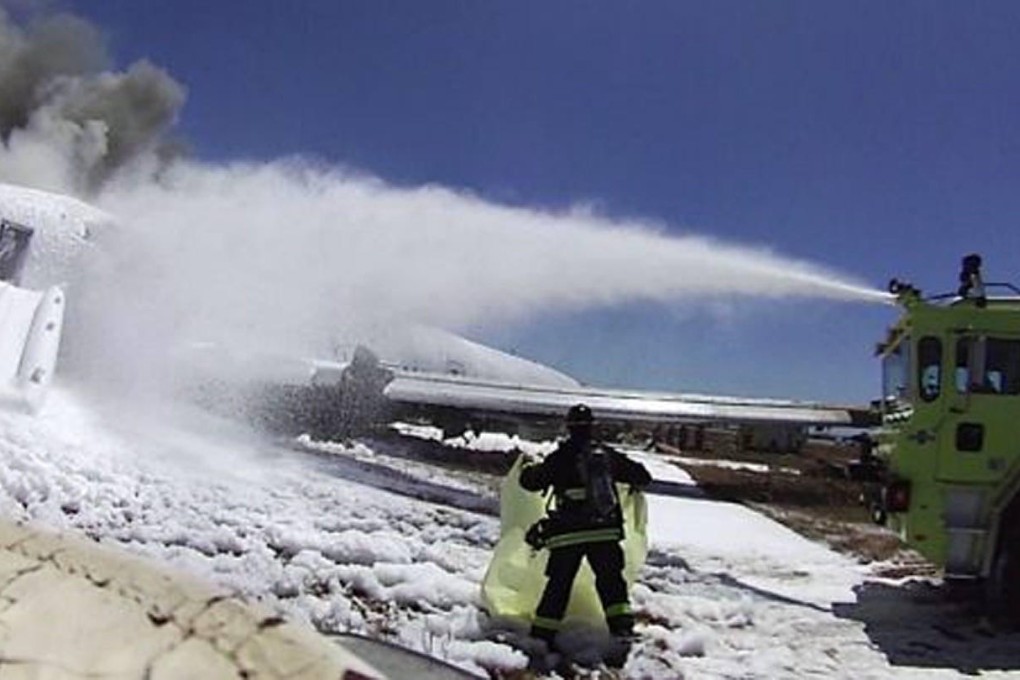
x: 1002, y: 591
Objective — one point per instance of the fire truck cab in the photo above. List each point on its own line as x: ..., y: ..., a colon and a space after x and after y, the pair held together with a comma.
x: 950, y: 432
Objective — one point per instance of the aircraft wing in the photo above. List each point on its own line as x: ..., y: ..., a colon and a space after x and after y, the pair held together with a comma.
x: 423, y: 391
x: 328, y: 399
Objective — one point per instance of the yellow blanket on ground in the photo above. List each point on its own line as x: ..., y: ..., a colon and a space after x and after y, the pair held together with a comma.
x: 515, y: 579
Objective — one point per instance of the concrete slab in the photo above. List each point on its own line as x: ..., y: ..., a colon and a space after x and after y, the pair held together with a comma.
x: 282, y: 651
x: 69, y: 623
x: 71, y: 608
x: 14, y: 566
x: 227, y: 624
x: 196, y: 659
x: 11, y: 533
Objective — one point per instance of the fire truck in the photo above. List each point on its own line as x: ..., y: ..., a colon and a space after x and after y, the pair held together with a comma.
x: 948, y: 448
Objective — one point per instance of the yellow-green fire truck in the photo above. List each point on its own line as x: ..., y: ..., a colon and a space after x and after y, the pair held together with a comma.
x: 949, y: 443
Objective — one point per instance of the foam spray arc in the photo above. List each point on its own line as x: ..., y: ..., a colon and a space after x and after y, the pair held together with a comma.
x: 279, y: 247
x: 284, y: 253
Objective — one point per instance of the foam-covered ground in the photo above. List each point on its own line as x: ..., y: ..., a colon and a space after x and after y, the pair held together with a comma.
x: 726, y: 593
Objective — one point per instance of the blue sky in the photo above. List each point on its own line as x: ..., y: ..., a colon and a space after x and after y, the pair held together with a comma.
x: 876, y: 138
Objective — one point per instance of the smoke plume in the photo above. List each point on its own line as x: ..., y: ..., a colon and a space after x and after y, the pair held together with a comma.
x: 69, y: 124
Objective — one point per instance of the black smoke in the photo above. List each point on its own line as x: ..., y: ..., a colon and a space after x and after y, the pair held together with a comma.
x: 57, y: 89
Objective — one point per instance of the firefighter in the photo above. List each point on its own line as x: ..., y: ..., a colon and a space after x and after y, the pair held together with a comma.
x: 585, y: 522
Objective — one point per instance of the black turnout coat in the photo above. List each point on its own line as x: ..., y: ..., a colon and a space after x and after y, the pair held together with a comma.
x: 574, y: 519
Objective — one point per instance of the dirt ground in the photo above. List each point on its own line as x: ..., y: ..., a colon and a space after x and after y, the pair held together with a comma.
x: 809, y: 492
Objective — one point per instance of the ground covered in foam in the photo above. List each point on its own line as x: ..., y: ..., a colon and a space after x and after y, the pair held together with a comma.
x: 725, y: 593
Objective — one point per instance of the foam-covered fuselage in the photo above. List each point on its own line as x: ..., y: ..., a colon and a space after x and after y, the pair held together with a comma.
x: 40, y: 234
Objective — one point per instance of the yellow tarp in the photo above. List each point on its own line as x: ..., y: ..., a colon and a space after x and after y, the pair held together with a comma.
x: 515, y: 579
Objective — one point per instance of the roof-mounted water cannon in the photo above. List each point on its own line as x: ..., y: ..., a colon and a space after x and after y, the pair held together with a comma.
x: 972, y: 286
x: 905, y: 293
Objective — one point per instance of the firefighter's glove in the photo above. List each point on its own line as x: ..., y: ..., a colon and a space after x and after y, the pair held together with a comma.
x: 531, y: 458
x: 537, y: 534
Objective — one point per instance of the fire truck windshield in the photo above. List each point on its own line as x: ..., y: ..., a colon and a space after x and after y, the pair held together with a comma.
x: 896, y: 373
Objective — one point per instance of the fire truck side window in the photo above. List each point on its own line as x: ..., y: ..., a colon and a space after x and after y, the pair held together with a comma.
x: 929, y: 367
x: 988, y: 365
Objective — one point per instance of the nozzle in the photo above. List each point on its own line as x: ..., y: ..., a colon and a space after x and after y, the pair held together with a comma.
x: 903, y: 290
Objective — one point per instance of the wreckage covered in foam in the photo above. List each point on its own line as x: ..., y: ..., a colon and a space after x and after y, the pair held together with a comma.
x: 41, y: 235
x: 30, y: 325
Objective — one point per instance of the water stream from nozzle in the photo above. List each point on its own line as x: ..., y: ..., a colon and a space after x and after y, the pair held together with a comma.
x: 286, y: 255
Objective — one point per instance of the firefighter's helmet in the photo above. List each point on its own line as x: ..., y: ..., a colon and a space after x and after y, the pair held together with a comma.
x: 579, y: 415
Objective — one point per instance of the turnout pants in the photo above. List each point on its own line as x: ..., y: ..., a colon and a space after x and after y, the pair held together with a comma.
x: 606, y: 560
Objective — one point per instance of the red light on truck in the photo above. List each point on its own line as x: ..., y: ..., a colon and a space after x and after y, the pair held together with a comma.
x: 897, y: 496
